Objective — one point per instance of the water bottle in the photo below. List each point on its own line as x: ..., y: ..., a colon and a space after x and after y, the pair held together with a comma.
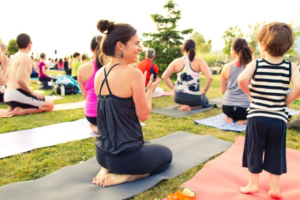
x: 62, y: 90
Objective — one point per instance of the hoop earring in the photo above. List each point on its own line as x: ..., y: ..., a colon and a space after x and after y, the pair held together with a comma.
x: 122, y: 55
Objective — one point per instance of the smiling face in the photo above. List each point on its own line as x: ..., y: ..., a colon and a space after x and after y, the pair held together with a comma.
x: 132, y: 49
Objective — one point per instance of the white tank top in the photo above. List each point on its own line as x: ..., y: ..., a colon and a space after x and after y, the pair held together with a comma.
x: 188, y: 81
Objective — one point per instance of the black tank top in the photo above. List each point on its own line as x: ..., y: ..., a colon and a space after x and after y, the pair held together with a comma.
x: 119, y: 128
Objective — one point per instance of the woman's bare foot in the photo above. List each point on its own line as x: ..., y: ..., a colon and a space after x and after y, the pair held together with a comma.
x: 184, y: 108
x: 99, y: 178
x: 115, y: 179
x: 229, y: 120
x: 241, y: 122
x: 274, y: 194
x: 249, y: 189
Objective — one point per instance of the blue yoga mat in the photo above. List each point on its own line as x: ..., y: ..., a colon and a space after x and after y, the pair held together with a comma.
x: 219, y: 122
x: 34, y: 79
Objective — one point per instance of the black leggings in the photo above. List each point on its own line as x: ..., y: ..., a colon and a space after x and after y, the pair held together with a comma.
x: 92, y: 120
x: 150, y: 158
x: 235, y: 112
x: 189, y: 99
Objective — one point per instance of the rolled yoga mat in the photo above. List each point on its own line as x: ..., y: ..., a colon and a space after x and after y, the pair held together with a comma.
x: 222, y: 177
x: 219, y: 122
x: 173, y: 112
x: 75, y: 182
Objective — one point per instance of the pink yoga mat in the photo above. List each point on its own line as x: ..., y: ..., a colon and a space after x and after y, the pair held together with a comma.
x: 221, y: 178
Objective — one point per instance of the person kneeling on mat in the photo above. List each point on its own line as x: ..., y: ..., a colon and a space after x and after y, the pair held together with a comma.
x: 235, y: 101
x: 120, y: 147
x: 18, y: 94
x: 187, y: 88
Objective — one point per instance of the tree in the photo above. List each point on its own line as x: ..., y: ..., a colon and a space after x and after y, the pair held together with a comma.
x: 12, y: 47
x: 168, y: 40
x: 229, y: 35
x: 296, y: 29
x: 252, y: 36
x: 201, y: 45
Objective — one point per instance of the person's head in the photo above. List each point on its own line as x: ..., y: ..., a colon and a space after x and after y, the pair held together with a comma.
x: 275, y: 39
x: 189, y: 47
x: 60, y: 60
x: 43, y: 56
x: 150, y: 53
x: 120, y: 41
x: 3, y: 48
x: 241, y: 51
x: 83, y: 57
x: 66, y: 59
x: 76, y: 55
x: 24, y: 41
x: 56, y: 60
x: 95, y: 48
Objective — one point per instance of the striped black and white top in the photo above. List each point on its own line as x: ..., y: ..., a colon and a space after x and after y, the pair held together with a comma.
x: 269, y: 87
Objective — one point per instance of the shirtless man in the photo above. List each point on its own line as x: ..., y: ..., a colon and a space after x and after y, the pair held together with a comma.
x: 18, y: 94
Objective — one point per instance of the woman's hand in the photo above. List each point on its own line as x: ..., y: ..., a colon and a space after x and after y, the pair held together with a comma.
x: 152, y: 85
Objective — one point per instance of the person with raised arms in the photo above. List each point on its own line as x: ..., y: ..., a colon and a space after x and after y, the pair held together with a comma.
x: 18, y: 95
x: 122, y: 102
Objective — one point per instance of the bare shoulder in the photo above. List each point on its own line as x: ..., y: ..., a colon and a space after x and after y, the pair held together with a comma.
x: 132, y: 72
x: 85, y: 66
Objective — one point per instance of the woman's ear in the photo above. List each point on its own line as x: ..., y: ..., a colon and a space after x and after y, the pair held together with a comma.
x: 120, y: 46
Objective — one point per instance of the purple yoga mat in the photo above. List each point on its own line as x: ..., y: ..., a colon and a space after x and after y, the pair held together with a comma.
x: 22, y: 141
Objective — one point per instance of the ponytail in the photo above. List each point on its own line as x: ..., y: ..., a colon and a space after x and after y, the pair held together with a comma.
x: 245, y: 55
x: 192, y: 54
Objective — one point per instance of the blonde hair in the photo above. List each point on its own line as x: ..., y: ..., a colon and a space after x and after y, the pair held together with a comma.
x: 277, y: 37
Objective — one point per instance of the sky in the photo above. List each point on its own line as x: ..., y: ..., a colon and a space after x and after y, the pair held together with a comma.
x: 69, y: 26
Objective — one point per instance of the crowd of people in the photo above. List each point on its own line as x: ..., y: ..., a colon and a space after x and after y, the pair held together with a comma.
x: 119, y: 96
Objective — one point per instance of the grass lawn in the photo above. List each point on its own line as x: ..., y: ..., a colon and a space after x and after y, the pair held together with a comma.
x: 40, y: 162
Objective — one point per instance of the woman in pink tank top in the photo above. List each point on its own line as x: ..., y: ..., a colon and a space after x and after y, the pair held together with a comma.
x: 85, y: 78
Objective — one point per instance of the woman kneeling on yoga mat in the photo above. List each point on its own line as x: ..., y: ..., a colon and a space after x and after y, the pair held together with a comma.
x: 85, y: 78
x: 235, y: 101
x: 122, y: 102
x: 187, y: 88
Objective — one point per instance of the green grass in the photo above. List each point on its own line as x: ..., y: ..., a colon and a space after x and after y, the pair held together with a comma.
x: 41, y: 162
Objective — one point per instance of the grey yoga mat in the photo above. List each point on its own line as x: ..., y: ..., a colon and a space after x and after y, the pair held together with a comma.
x: 75, y: 182
x: 173, y: 112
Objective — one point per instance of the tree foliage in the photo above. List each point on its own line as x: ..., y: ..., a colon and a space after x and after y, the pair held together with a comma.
x: 12, y: 47
x: 229, y: 35
x: 201, y: 45
x: 168, y: 40
x: 252, y: 36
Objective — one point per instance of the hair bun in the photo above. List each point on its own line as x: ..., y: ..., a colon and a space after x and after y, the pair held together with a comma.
x: 105, y: 25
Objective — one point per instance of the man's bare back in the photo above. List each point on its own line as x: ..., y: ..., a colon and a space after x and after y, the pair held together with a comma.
x: 18, y: 72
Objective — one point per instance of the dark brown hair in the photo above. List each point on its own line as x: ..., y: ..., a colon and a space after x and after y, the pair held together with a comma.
x: 23, y: 40
x: 277, y: 37
x: 42, y: 56
x: 114, y: 33
x: 241, y: 47
x: 95, y: 46
x: 76, y: 54
x: 189, y: 46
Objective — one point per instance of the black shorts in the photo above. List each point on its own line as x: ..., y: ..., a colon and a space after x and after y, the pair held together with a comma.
x: 235, y: 112
x: 92, y: 120
x: 265, y: 136
x: 46, y: 79
x: 190, y: 99
x: 1, y: 97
